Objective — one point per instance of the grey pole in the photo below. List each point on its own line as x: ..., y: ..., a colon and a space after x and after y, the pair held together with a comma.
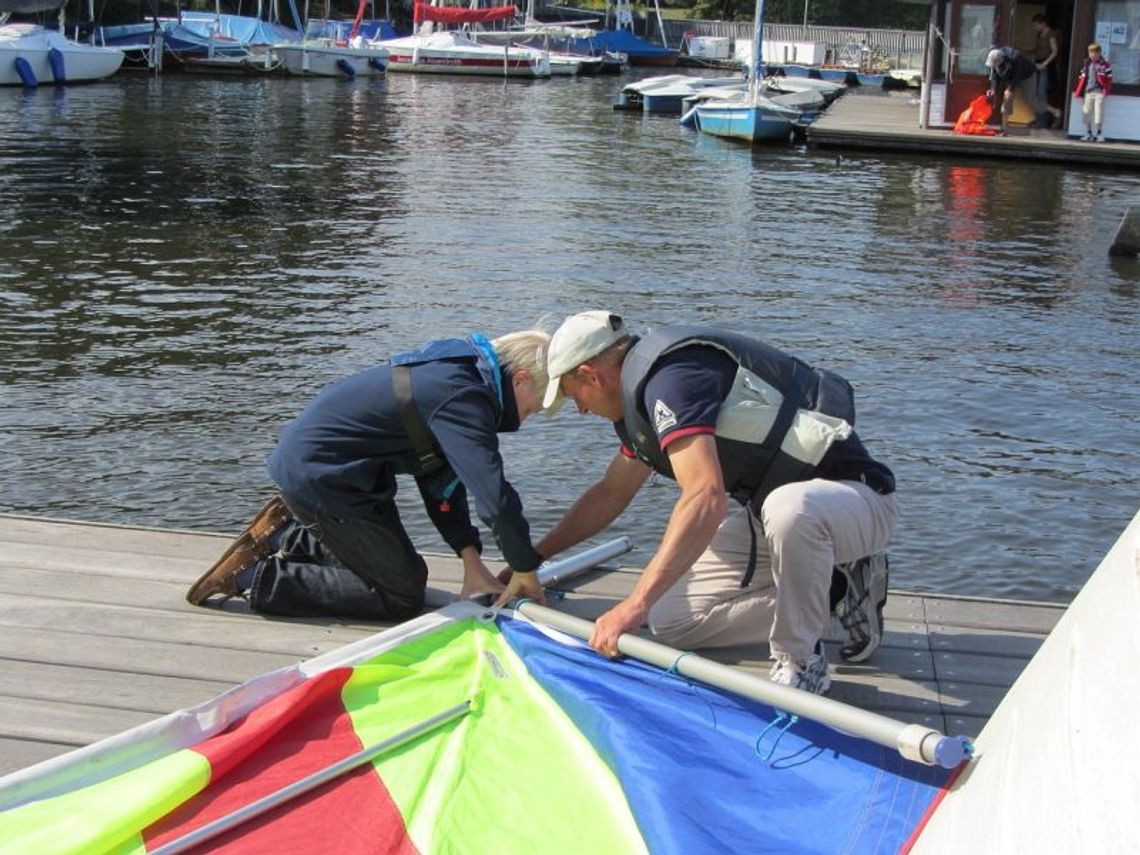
x: 297, y: 788
x: 912, y: 741
x: 564, y: 569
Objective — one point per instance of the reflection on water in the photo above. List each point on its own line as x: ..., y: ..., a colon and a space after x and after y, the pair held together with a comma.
x: 184, y: 261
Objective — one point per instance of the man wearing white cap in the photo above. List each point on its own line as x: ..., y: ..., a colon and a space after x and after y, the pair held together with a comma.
x: 1011, y: 71
x: 728, y: 416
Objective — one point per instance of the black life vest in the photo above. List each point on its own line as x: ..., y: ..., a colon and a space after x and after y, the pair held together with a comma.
x: 766, y: 434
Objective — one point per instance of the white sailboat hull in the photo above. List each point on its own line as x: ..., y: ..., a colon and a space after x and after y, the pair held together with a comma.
x: 450, y: 53
x: 325, y: 58
x: 74, y: 63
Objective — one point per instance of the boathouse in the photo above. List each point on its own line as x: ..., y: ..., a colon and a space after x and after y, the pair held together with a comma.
x: 961, y: 32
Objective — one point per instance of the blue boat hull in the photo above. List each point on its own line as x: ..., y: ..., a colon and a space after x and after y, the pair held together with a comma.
x: 651, y: 103
x: 751, y: 124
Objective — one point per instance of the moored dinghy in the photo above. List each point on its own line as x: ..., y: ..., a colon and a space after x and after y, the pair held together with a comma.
x: 31, y: 55
x: 750, y: 116
x: 328, y: 58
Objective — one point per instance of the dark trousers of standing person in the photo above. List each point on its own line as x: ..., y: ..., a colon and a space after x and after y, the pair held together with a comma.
x: 327, y: 566
x: 1043, y: 86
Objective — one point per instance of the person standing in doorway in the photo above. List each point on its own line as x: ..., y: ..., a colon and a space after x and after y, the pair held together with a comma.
x: 1093, y: 85
x: 1046, y: 50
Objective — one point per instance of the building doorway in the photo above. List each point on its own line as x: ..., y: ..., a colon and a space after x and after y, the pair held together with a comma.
x: 976, y: 26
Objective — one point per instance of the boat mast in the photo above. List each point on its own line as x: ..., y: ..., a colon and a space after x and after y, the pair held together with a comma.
x: 757, y: 47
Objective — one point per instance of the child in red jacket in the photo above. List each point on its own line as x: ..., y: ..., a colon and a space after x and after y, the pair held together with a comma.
x: 1093, y: 84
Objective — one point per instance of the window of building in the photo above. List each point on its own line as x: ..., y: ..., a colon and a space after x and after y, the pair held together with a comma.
x: 976, y: 36
x: 1116, y: 27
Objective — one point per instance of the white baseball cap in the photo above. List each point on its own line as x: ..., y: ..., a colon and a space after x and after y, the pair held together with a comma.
x: 993, y: 58
x: 580, y: 338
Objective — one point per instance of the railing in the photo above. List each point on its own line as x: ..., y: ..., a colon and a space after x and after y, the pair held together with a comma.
x: 899, y: 48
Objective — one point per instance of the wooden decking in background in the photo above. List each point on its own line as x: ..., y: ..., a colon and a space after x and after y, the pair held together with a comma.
x: 889, y: 122
x: 96, y: 637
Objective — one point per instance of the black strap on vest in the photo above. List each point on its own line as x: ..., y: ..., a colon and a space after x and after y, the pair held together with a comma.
x: 751, y: 571
x: 780, y: 427
x: 421, y: 439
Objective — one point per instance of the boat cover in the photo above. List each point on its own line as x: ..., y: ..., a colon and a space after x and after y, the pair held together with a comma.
x: 239, y: 28
x: 563, y: 751
x: 457, y: 15
x: 623, y: 41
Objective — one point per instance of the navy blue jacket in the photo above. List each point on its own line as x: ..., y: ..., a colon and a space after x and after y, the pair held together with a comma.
x: 1015, y: 68
x: 340, y: 454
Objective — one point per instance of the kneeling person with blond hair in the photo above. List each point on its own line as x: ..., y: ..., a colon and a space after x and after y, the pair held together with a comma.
x: 332, y: 542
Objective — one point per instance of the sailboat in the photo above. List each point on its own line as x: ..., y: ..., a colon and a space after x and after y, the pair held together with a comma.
x: 326, y: 56
x: 748, y: 115
x: 31, y: 54
x: 454, y: 52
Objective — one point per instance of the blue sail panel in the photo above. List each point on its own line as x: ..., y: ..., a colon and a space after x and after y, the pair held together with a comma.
x: 705, y: 770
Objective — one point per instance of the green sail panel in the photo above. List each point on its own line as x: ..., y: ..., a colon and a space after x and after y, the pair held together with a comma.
x: 515, y: 775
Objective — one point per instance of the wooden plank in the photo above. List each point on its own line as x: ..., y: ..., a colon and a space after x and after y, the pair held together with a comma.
x: 64, y: 723
x: 16, y: 754
x: 209, y: 627
x: 36, y: 531
x: 1037, y: 618
x: 110, y: 561
x: 146, y: 594
x: 904, y: 608
x: 970, y: 698
x: 885, y: 694
x: 79, y: 623
x: 98, y: 687
x: 995, y: 642
x: 159, y: 658
x: 980, y: 670
x: 965, y: 725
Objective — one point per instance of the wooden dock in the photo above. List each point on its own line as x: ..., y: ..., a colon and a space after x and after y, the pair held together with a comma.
x: 97, y: 638
x: 890, y: 122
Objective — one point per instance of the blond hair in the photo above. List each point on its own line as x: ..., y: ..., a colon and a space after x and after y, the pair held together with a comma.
x: 1094, y: 47
x: 525, y: 350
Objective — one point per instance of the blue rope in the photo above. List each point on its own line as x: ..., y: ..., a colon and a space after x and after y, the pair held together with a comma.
x: 780, y: 716
x: 672, y: 669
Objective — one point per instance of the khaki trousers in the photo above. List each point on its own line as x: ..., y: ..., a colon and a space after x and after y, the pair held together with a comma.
x: 804, y: 530
x: 1093, y: 110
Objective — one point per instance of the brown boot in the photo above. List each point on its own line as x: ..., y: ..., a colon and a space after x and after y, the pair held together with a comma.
x: 250, y: 545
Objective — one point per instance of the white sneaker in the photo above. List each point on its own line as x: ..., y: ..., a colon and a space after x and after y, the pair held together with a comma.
x: 1087, y: 138
x: 861, y: 609
x: 809, y: 674
x: 1100, y: 137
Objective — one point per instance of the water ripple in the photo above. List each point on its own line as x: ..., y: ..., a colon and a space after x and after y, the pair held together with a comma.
x: 184, y: 262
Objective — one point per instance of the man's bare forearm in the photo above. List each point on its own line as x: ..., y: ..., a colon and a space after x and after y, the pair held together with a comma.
x: 596, y: 508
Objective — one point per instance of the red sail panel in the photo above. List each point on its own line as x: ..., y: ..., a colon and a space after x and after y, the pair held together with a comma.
x: 299, y: 732
x: 456, y: 15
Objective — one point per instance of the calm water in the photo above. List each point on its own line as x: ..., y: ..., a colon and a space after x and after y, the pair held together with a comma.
x: 183, y: 262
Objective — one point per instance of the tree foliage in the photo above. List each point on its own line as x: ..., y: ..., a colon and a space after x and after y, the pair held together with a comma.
x: 828, y: 13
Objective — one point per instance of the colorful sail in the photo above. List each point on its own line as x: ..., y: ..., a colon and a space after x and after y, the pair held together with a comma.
x: 562, y: 751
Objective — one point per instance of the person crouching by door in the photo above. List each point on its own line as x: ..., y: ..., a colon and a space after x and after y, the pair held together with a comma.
x: 1012, y: 72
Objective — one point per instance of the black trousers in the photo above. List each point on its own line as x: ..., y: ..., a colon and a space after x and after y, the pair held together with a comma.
x: 356, y: 568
